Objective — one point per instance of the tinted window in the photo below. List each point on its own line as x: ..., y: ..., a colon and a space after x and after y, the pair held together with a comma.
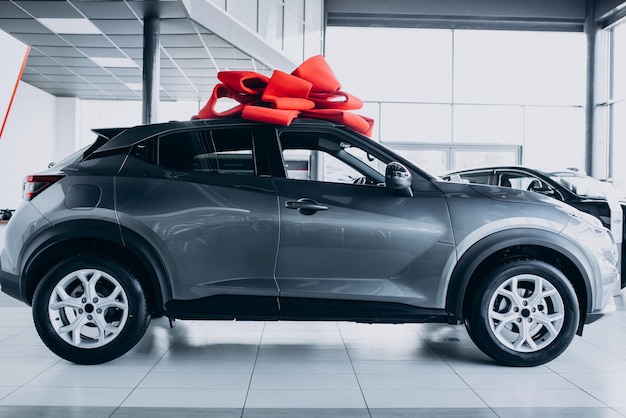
x: 479, y: 178
x: 225, y: 151
x: 321, y: 157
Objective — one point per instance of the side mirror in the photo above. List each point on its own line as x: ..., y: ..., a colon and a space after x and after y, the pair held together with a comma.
x: 398, y: 178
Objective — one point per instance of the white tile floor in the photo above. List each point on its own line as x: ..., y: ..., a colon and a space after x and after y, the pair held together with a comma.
x: 290, y: 369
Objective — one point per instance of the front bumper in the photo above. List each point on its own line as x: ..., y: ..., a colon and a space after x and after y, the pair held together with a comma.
x: 608, y: 309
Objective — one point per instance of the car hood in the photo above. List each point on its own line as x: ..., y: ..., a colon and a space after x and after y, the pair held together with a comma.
x: 504, y: 194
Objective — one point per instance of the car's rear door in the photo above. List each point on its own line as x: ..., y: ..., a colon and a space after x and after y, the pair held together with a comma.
x: 208, y: 203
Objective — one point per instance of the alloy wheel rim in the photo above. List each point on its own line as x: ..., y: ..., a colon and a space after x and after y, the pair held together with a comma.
x: 88, y: 308
x: 526, y: 313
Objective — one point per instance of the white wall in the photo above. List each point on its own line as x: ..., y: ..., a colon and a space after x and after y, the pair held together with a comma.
x: 28, y: 142
x: 95, y: 114
x: 42, y: 128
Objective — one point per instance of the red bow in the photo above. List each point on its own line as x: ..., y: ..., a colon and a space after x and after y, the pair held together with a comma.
x: 311, y: 90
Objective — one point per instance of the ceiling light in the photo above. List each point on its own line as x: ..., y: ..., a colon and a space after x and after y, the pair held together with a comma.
x: 139, y: 86
x: 70, y: 26
x: 114, y: 62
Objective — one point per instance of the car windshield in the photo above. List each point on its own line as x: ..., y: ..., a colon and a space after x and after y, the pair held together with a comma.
x: 580, y: 185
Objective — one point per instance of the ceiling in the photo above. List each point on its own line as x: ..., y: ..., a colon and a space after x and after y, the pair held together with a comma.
x: 106, y: 62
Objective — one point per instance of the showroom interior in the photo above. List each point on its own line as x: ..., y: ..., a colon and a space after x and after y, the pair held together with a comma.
x: 450, y: 84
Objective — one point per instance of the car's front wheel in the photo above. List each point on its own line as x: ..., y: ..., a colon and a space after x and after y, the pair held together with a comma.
x: 525, y: 313
x: 90, y: 309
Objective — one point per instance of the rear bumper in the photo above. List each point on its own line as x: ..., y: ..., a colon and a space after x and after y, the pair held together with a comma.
x: 11, y: 285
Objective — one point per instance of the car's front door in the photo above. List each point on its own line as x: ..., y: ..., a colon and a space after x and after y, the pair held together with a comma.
x: 344, y: 236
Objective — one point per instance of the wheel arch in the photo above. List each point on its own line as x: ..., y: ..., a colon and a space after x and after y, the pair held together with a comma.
x: 94, y: 236
x: 510, y: 245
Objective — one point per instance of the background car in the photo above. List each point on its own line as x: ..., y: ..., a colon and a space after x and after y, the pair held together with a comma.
x: 230, y: 219
x: 583, y: 192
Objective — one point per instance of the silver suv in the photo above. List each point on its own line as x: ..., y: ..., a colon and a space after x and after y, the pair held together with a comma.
x: 224, y: 219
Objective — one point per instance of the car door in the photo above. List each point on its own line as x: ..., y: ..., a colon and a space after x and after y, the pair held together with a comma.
x: 344, y: 236
x: 207, y: 204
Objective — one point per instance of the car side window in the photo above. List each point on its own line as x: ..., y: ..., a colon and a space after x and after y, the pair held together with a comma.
x: 326, y: 158
x: 223, y: 151
x: 478, y: 178
x: 524, y: 181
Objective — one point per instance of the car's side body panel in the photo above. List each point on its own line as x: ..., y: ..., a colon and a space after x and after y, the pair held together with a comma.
x: 369, y: 244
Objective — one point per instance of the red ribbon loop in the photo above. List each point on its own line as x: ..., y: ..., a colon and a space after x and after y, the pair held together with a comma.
x: 311, y: 90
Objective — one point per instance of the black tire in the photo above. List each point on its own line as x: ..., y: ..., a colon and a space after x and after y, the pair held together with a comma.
x: 525, y: 313
x: 110, y: 316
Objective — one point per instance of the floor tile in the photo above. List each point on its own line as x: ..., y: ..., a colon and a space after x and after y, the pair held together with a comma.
x: 293, y: 398
x: 186, y: 397
x: 63, y: 396
x: 422, y: 398
x: 89, y: 378
x: 28, y: 411
x: 442, y: 381
x: 306, y: 413
x: 204, y: 365
x: 433, y: 412
x: 587, y: 381
x: 304, y: 381
x: 180, y: 380
x: 553, y: 412
x: 615, y: 397
x: 516, y: 381
x: 400, y: 366
x: 317, y: 369
x: 296, y: 366
x: 537, y: 397
x: 146, y: 412
x: 17, y: 378
x: 301, y: 352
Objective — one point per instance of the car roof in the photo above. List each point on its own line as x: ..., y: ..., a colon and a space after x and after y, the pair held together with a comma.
x: 519, y: 168
x: 124, y: 137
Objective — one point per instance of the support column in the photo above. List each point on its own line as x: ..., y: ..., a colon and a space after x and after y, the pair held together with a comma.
x: 151, y: 67
x: 591, y: 31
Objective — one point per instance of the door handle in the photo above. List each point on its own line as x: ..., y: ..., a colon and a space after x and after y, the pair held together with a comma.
x: 305, y: 206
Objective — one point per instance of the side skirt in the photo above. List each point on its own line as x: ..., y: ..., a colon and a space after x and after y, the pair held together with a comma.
x: 266, y: 308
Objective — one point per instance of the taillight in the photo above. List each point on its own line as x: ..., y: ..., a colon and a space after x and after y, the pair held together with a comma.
x: 33, y: 185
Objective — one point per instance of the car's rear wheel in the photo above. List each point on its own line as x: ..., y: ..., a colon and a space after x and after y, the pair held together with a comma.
x: 90, y: 309
x: 525, y: 313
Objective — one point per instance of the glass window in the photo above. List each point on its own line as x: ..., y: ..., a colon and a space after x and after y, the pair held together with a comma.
x: 404, y: 122
x: 476, y: 178
x: 271, y: 22
x: 430, y: 160
x: 617, y: 110
x: 226, y: 151
x: 293, y: 41
x: 378, y: 69
x: 525, y: 181
x: 329, y: 159
x: 313, y: 35
x: 619, y: 62
x: 244, y: 11
x: 554, y: 137
x: 178, y: 151
x: 488, y: 124
x: 468, y: 158
x: 618, y: 150
x: 519, y: 67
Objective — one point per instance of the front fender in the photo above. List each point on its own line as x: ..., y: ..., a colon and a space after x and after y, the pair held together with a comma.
x: 474, y: 255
